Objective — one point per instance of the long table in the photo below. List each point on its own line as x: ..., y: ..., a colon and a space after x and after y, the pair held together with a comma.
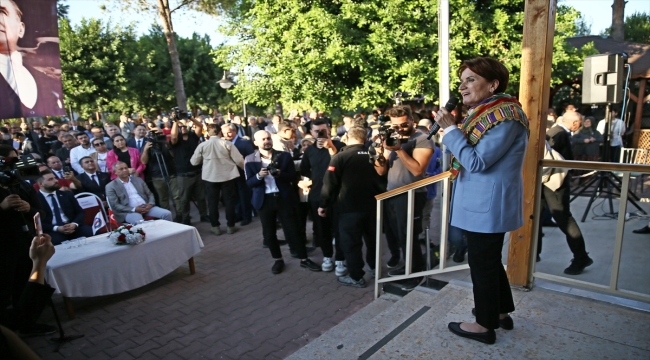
x: 102, y: 268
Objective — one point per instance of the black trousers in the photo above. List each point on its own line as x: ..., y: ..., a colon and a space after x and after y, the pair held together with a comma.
x: 229, y: 191
x: 275, y: 206
x: 324, y: 227
x: 558, y: 205
x: 492, y: 295
x: 15, y: 267
x: 396, y: 208
x: 244, y: 208
x: 304, y: 210
x: 352, y: 228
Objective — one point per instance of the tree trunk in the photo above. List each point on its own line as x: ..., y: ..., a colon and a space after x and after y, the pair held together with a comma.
x: 618, y: 18
x: 166, y: 17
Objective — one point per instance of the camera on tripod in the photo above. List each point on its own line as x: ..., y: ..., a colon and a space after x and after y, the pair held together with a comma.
x: 157, y: 139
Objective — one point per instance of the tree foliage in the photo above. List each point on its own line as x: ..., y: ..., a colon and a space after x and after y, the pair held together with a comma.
x: 637, y: 28
x: 108, y: 68
x: 351, y: 54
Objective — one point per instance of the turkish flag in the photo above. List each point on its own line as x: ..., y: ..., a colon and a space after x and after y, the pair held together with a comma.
x: 111, y: 219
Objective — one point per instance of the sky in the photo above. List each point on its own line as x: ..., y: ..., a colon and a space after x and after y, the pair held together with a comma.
x: 596, y: 12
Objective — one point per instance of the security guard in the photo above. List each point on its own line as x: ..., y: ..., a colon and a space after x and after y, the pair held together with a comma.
x: 351, y: 180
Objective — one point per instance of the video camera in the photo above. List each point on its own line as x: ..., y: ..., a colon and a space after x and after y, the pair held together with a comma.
x: 179, y: 114
x: 12, y: 169
x: 386, y: 132
x: 157, y: 139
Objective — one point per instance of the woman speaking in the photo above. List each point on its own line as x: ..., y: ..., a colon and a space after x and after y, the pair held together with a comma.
x: 488, y: 153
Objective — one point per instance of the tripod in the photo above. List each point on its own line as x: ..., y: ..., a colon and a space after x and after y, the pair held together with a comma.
x: 63, y: 338
x: 165, y: 174
x: 605, y: 180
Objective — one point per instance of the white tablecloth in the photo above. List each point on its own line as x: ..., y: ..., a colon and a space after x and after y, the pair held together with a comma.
x: 102, y: 268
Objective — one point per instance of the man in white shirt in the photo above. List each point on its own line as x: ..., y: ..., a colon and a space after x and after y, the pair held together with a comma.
x: 130, y: 198
x: 616, y: 132
x: 83, y: 149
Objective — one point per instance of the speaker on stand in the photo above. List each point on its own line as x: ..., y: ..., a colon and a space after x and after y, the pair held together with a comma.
x: 604, y: 82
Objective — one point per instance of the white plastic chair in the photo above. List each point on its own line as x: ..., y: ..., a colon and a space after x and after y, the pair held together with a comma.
x: 635, y: 156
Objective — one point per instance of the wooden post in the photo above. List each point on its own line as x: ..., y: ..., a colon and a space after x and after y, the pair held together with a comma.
x: 534, y: 92
x: 639, y: 111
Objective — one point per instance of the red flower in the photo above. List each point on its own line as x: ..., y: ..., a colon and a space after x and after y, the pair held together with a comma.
x: 128, y: 227
x: 121, y: 238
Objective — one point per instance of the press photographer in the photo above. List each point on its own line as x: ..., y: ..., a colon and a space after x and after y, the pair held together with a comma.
x: 188, y: 177
x: 406, y: 155
x: 161, y: 168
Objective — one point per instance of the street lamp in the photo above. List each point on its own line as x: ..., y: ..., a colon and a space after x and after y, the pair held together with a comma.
x: 226, y: 83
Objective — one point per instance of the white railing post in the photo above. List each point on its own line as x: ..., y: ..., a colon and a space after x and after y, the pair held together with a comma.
x: 444, y: 221
x: 409, y: 232
x: 378, y: 249
x: 620, y: 226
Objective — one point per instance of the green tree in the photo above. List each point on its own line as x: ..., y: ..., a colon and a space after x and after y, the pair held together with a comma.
x: 637, y: 28
x: 352, y: 54
x: 93, y: 64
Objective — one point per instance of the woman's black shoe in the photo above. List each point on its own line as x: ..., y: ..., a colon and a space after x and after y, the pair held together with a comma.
x: 488, y: 337
x: 505, y: 323
x: 278, y: 266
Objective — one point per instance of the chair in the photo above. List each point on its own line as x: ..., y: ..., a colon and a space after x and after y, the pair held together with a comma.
x: 91, y: 212
x: 635, y: 156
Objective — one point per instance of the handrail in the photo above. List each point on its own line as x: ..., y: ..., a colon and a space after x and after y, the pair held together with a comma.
x: 415, y: 185
x: 594, y: 165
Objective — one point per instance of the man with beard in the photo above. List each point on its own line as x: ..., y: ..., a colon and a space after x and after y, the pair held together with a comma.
x: 62, y: 217
x: 405, y: 163
x: 83, y: 149
x: 270, y: 173
x: 243, y: 208
x: 46, y: 142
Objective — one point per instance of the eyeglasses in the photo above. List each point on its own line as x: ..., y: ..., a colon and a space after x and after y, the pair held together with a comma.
x: 403, y: 125
x: 99, y: 144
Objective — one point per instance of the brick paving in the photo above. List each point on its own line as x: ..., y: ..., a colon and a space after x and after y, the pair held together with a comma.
x: 232, y: 308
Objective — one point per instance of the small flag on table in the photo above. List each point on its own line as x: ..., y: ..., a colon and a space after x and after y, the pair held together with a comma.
x: 111, y: 219
x: 98, y: 222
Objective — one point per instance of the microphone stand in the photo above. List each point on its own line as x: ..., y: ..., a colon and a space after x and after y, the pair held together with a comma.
x: 63, y: 338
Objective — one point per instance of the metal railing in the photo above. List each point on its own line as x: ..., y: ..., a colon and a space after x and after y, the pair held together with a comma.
x: 625, y: 170
x: 444, y: 226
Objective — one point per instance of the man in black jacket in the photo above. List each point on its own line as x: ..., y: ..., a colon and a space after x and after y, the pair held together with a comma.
x: 62, y: 217
x: 352, y: 183
x: 92, y: 180
x: 559, y: 137
x: 314, y: 164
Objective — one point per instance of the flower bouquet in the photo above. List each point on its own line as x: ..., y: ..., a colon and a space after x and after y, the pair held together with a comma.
x: 127, y: 235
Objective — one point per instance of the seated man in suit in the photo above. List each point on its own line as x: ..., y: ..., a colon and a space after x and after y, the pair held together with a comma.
x: 92, y: 180
x: 62, y: 216
x: 131, y: 199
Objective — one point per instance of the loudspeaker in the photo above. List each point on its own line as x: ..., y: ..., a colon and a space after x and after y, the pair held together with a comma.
x: 603, y: 79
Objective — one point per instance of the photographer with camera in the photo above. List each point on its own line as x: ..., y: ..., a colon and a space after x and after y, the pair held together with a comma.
x: 188, y: 177
x: 406, y: 155
x: 161, y: 168
x: 18, y: 205
x: 314, y: 166
x: 270, y: 174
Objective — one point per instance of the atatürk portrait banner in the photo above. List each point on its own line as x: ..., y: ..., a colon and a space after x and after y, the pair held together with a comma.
x: 30, y: 64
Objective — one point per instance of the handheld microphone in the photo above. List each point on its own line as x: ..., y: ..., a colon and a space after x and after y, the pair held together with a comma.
x: 451, y: 105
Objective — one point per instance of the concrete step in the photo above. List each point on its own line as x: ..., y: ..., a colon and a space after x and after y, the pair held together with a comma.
x: 352, y: 337
x: 547, y: 326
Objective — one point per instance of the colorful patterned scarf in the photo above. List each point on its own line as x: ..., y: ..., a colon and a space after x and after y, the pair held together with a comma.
x: 484, y: 116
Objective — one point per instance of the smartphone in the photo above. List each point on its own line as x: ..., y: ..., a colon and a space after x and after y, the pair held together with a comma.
x: 37, y: 224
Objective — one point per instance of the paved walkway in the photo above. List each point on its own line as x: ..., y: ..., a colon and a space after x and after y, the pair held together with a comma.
x: 232, y: 308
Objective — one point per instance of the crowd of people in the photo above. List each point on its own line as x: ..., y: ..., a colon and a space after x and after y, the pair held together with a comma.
x: 285, y: 171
